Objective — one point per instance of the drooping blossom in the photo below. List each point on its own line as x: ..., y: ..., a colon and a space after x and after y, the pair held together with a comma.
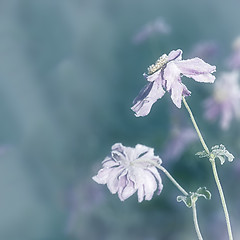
x: 128, y: 170
x: 233, y: 62
x: 159, y: 26
x: 165, y: 75
x: 225, y: 102
x: 206, y: 50
x: 181, y: 138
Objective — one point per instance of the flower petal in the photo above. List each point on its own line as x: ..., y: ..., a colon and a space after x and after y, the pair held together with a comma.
x: 147, y: 97
x: 128, y: 190
x: 175, y: 55
x: 109, y: 162
x: 113, y: 179
x: 197, y: 69
x: 156, y: 174
x: 177, y: 93
x: 150, y: 185
x: 171, y: 75
x: 226, y: 117
x: 102, y: 175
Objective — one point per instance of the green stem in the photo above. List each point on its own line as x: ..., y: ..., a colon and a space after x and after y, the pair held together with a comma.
x: 196, y: 221
x: 214, y: 171
x: 185, y: 193
x: 195, y: 125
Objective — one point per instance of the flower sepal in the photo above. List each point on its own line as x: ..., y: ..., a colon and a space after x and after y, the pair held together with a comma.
x: 217, y: 151
x: 192, y: 197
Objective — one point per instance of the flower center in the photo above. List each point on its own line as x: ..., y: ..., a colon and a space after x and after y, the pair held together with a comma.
x: 158, y: 64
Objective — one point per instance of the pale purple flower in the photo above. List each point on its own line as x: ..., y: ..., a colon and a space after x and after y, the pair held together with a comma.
x: 165, y: 75
x: 157, y: 26
x: 206, y: 50
x: 128, y: 170
x: 181, y: 138
x: 225, y: 102
x: 233, y: 62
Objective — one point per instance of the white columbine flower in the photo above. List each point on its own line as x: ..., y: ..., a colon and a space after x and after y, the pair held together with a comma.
x: 128, y: 170
x: 165, y: 75
x: 225, y: 102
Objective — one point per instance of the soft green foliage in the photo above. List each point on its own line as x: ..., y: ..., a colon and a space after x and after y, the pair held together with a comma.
x: 193, y: 196
x: 217, y: 151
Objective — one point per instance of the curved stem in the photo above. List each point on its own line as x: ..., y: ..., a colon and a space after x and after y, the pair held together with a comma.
x: 172, y: 180
x: 185, y: 193
x: 195, y: 125
x: 214, y: 171
x: 222, y: 198
x: 196, y: 221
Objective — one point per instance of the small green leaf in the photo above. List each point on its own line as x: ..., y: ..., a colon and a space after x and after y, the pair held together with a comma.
x: 203, y: 192
x: 202, y: 154
x: 186, y: 199
x: 220, y: 152
x: 193, y: 196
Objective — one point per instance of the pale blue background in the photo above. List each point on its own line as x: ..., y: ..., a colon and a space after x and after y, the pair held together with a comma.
x: 68, y: 74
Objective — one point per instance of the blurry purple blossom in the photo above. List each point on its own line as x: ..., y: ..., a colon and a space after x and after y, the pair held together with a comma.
x: 233, y: 62
x: 225, y: 101
x: 181, y: 138
x: 166, y: 74
x: 128, y: 170
x: 157, y: 26
x: 206, y: 50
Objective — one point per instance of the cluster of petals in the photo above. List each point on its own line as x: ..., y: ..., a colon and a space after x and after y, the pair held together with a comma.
x: 128, y: 170
x: 225, y: 102
x: 167, y: 77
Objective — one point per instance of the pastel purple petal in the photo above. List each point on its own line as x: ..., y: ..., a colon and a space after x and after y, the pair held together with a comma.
x: 197, y: 69
x: 156, y: 174
x: 102, y: 176
x: 176, y: 93
x: 175, y: 55
x: 127, y: 191
x: 207, y: 78
x: 150, y: 185
x: 140, y: 193
x: 227, y: 115
x: 112, y: 181
x: 171, y: 75
x: 109, y: 162
x: 147, y: 97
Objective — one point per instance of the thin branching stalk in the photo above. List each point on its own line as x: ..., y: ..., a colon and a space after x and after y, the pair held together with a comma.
x: 185, y: 193
x: 220, y: 190
x: 195, y: 220
x: 215, y: 173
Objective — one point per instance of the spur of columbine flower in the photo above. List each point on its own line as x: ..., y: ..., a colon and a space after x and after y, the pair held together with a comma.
x: 225, y: 101
x: 128, y: 170
x: 165, y: 75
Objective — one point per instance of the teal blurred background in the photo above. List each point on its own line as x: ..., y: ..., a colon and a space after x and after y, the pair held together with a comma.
x: 69, y: 71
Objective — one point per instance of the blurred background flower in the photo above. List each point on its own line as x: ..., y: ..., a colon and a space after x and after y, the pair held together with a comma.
x: 68, y: 73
